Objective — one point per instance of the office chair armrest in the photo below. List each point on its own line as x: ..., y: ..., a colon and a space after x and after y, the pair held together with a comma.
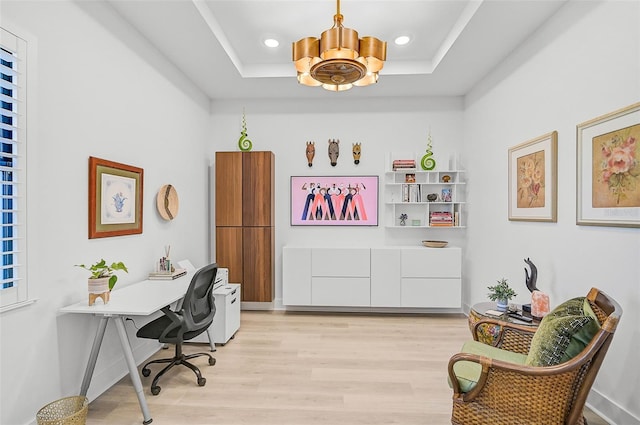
x: 176, y: 323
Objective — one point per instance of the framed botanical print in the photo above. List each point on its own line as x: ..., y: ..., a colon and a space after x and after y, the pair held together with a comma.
x: 608, y: 169
x: 533, y: 179
x: 115, y: 198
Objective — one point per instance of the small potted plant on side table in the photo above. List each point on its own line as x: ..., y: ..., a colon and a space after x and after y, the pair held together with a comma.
x: 102, y: 279
x: 501, y: 294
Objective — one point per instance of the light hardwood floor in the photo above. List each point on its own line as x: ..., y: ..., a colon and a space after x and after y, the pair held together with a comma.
x: 307, y: 369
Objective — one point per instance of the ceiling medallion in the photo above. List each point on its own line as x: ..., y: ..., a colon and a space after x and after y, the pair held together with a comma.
x: 339, y: 59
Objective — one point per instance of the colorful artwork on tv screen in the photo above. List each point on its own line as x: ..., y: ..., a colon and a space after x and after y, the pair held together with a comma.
x: 334, y: 201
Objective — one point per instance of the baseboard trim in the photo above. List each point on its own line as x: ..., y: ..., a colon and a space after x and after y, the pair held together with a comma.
x: 609, y: 410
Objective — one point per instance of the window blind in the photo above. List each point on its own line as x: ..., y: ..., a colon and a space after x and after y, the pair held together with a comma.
x: 13, y: 289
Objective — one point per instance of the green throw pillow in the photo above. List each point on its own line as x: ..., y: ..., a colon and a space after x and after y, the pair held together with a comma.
x: 563, y: 333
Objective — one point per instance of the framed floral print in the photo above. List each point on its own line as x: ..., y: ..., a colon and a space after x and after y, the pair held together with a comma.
x: 608, y: 169
x: 115, y: 198
x: 533, y: 179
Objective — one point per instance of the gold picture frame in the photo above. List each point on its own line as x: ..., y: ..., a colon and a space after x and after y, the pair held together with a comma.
x: 533, y: 179
x: 608, y: 169
x: 115, y: 198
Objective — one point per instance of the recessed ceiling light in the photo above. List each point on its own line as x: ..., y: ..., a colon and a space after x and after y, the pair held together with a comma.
x: 271, y: 42
x: 402, y: 40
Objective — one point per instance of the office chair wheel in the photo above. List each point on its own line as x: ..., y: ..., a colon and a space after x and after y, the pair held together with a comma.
x: 155, y: 390
x: 146, y: 372
x: 212, y: 361
x: 202, y: 381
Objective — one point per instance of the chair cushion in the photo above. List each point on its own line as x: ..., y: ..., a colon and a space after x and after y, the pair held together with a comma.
x: 468, y: 373
x: 563, y: 333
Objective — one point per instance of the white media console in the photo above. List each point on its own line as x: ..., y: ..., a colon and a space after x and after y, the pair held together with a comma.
x: 389, y: 276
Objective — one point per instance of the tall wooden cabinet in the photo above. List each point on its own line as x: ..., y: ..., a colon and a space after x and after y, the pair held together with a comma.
x: 245, y: 218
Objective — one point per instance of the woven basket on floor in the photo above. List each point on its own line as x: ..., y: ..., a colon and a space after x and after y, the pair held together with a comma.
x: 66, y: 411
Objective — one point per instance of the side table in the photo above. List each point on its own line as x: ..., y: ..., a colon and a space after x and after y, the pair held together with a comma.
x: 487, y: 334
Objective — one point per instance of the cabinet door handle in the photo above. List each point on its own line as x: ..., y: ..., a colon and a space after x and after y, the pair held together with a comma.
x: 233, y: 292
x: 233, y: 300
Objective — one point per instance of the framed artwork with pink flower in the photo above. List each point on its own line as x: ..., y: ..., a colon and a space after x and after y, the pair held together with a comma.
x: 608, y: 169
x: 533, y: 181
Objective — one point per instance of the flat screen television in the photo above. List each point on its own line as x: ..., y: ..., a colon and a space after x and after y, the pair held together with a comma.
x: 334, y: 200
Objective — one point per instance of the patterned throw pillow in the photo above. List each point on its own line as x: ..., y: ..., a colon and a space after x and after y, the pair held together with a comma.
x: 563, y: 333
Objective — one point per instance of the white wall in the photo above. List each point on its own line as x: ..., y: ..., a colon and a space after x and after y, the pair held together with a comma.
x: 583, y: 63
x: 382, y: 126
x: 118, y: 99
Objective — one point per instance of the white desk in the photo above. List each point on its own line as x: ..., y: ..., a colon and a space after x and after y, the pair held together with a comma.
x: 140, y: 299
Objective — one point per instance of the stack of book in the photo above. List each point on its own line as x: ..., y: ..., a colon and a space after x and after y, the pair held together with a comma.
x: 441, y: 219
x: 403, y: 164
x: 167, y: 275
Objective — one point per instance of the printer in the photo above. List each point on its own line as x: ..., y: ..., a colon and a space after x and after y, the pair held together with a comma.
x: 222, y: 278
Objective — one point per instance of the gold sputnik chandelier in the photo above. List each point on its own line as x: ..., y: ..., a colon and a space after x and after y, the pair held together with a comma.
x: 339, y: 60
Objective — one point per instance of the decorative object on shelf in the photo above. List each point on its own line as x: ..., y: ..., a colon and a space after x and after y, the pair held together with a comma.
x: 416, y: 222
x: 244, y: 144
x: 311, y: 152
x: 345, y: 61
x: 446, y: 195
x: 102, y: 279
x: 435, y: 244
x: 403, y: 219
x: 334, y: 201
x: 428, y: 163
x: 446, y: 178
x: 115, y: 198
x: 533, y: 179
x: 432, y: 197
x: 357, y: 151
x: 501, y: 293
x: 334, y: 151
x: 410, y: 178
x: 608, y: 151
x: 167, y: 202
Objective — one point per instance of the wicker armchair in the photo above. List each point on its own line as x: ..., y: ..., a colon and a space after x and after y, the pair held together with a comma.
x: 508, y: 393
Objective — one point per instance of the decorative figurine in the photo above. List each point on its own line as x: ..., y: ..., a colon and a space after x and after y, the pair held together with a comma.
x: 357, y: 151
x: 244, y: 144
x: 403, y: 219
x: 334, y: 151
x: 427, y: 162
x: 530, y: 281
x: 311, y: 152
x: 539, y: 306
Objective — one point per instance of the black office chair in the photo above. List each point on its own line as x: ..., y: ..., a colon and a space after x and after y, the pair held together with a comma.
x: 193, y: 318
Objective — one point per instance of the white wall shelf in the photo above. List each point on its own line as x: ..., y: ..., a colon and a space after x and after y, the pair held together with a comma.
x: 433, y: 199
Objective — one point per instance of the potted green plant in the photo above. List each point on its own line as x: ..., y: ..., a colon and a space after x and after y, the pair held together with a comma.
x: 102, y: 279
x: 501, y: 294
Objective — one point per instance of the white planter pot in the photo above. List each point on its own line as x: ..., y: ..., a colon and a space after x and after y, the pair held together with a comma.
x: 98, y: 288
